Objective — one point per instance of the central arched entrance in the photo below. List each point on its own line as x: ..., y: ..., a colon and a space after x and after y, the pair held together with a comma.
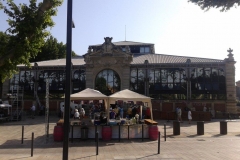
x: 108, y: 82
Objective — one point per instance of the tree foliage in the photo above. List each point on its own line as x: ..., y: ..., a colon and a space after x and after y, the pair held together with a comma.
x: 224, y: 5
x: 51, y: 49
x: 26, y: 33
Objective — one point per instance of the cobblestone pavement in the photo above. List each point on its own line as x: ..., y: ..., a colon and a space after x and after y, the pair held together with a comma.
x: 188, y: 145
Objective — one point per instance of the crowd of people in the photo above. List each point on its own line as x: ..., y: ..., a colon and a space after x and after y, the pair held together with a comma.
x: 97, y: 111
x: 129, y: 112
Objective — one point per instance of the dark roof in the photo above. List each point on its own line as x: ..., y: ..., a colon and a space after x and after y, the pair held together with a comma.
x: 161, y: 58
x: 127, y: 43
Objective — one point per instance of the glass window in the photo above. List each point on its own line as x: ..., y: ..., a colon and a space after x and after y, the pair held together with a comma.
x: 14, y: 82
x: 157, y: 76
x: 133, y: 80
x: 147, y: 50
x: 141, y: 49
x: 108, y: 82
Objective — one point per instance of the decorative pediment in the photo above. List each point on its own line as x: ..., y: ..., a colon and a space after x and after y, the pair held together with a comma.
x: 107, y: 54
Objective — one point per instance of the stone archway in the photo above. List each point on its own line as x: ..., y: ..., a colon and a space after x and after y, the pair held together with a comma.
x: 108, y: 82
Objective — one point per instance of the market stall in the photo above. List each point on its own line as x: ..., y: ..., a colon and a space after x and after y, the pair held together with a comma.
x: 128, y: 95
x: 76, y: 125
x: 113, y: 128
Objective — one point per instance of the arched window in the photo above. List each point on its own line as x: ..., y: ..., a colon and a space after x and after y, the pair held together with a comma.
x: 108, y: 82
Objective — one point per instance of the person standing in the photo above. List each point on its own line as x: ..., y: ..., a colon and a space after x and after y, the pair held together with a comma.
x: 112, y: 114
x: 189, y: 116
x: 33, y: 109
x: 76, y: 114
x: 148, y: 113
x: 121, y: 112
x: 204, y: 108
x: 82, y: 113
x: 176, y: 110
x: 116, y: 109
x: 179, y: 114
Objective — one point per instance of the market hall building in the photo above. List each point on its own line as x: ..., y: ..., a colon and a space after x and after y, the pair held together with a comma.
x: 172, y: 81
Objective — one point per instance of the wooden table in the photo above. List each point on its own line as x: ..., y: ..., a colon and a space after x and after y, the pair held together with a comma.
x: 149, y: 121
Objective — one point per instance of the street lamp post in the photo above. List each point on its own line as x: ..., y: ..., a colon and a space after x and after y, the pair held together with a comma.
x: 146, y: 78
x: 68, y: 80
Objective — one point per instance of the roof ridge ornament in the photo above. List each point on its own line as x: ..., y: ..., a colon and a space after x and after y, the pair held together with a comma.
x: 107, y: 46
x: 230, y: 55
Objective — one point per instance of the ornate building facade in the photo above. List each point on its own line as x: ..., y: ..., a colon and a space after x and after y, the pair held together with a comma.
x: 113, y: 66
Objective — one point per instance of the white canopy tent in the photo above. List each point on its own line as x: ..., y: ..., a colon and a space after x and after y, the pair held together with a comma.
x: 128, y: 95
x: 125, y: 95
x: 89, y: 94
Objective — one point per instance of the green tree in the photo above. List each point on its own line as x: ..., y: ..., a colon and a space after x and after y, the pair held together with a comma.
x: 52, y: 49
x: 26, y: 33
x: 224, y: 5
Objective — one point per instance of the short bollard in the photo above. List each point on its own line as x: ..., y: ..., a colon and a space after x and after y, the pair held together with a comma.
x: 22, y: 133
x: 119, y: 133
x: 165, y: 136
x: 32, y: 144
x: 72, y: 135
x: 223, y: 127
x: 128, y: 132
x: 176, y: 128
x: 95, y: 132
x: 97, y: 140
x: 158, y: 142
x: 200, y: 128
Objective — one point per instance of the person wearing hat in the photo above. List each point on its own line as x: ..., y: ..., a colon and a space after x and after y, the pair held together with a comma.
x: 76, y: 114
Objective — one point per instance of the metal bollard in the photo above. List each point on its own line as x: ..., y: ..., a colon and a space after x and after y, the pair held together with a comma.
x: 32, y: 144
x: 97, y: 143
x: 22, y: 133
x: 200, y: 128
x: 158, y: 142
x: 176, y: 128
x: 165, y: 136
x: 168, y: 117
x: 223, y: 127
x: 119, y: 133
x: 95, y: 132
x: 128, y: 132
x: 72, y: 135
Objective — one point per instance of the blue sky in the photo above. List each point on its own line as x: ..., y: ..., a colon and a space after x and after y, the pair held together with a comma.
x: 175, y: 27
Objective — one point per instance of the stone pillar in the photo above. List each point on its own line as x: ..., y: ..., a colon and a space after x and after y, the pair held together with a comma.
x: 125, y: 78
x: 230, y: 83
x: 89, y: 78
x: 238, y: 89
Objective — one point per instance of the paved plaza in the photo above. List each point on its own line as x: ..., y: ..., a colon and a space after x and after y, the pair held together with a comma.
x: 188, y: 145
